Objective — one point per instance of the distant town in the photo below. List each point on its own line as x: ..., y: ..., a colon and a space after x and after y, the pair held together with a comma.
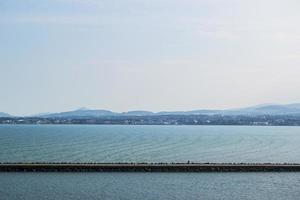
x: 262, y: 120
x: 261, y: 115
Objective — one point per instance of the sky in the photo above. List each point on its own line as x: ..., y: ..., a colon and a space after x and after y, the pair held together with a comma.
x: 58, y: 55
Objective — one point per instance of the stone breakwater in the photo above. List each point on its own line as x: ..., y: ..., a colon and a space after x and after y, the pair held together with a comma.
x: 148, y: 167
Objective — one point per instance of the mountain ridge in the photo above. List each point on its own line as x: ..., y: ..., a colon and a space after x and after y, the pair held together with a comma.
x: 3, y: 114
x: 262, y: 109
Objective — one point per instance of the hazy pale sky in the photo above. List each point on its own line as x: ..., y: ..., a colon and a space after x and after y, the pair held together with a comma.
x: 58, y: 55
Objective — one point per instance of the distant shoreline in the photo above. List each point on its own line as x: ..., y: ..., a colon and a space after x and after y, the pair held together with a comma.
x: 149, y: 167
x: 232, y: 120
x: 150, y: 125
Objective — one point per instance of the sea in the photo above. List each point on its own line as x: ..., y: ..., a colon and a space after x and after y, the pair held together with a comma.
x: 159, y: 143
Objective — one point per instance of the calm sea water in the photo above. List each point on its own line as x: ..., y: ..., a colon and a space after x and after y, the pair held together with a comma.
x: 82, y: 143
x: 156, y: 186
x: 149, y: 144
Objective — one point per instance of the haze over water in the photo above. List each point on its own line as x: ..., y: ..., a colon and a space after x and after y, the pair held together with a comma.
x: 118, y: 143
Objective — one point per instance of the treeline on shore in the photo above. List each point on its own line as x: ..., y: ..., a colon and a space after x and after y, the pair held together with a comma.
x: 261, y: 120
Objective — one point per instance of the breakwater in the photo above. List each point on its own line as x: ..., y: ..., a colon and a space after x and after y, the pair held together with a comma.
x: 148, y: 167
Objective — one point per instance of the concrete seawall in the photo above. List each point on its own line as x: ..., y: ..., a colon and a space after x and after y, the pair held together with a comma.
x: 147, y: 167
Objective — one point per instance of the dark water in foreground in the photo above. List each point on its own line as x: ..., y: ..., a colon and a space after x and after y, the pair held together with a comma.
x: 82, y: 143
x: 131, y: 186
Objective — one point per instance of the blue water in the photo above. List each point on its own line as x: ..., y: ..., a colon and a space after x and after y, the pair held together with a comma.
x: 148, y: 186
x: 88, y: 143
x: 75, y: 143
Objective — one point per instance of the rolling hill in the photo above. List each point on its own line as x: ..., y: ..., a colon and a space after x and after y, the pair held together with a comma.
x: 266, y: 109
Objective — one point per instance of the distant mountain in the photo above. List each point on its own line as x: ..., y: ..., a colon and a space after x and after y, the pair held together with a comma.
x: 193, y: 112
x: 264, y: 109
x: 84, y: 112
x: 272, y: 109
x: 137, y: 113
x: 81, y: 113
x: 41, y: 114
x: 2, y: 114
